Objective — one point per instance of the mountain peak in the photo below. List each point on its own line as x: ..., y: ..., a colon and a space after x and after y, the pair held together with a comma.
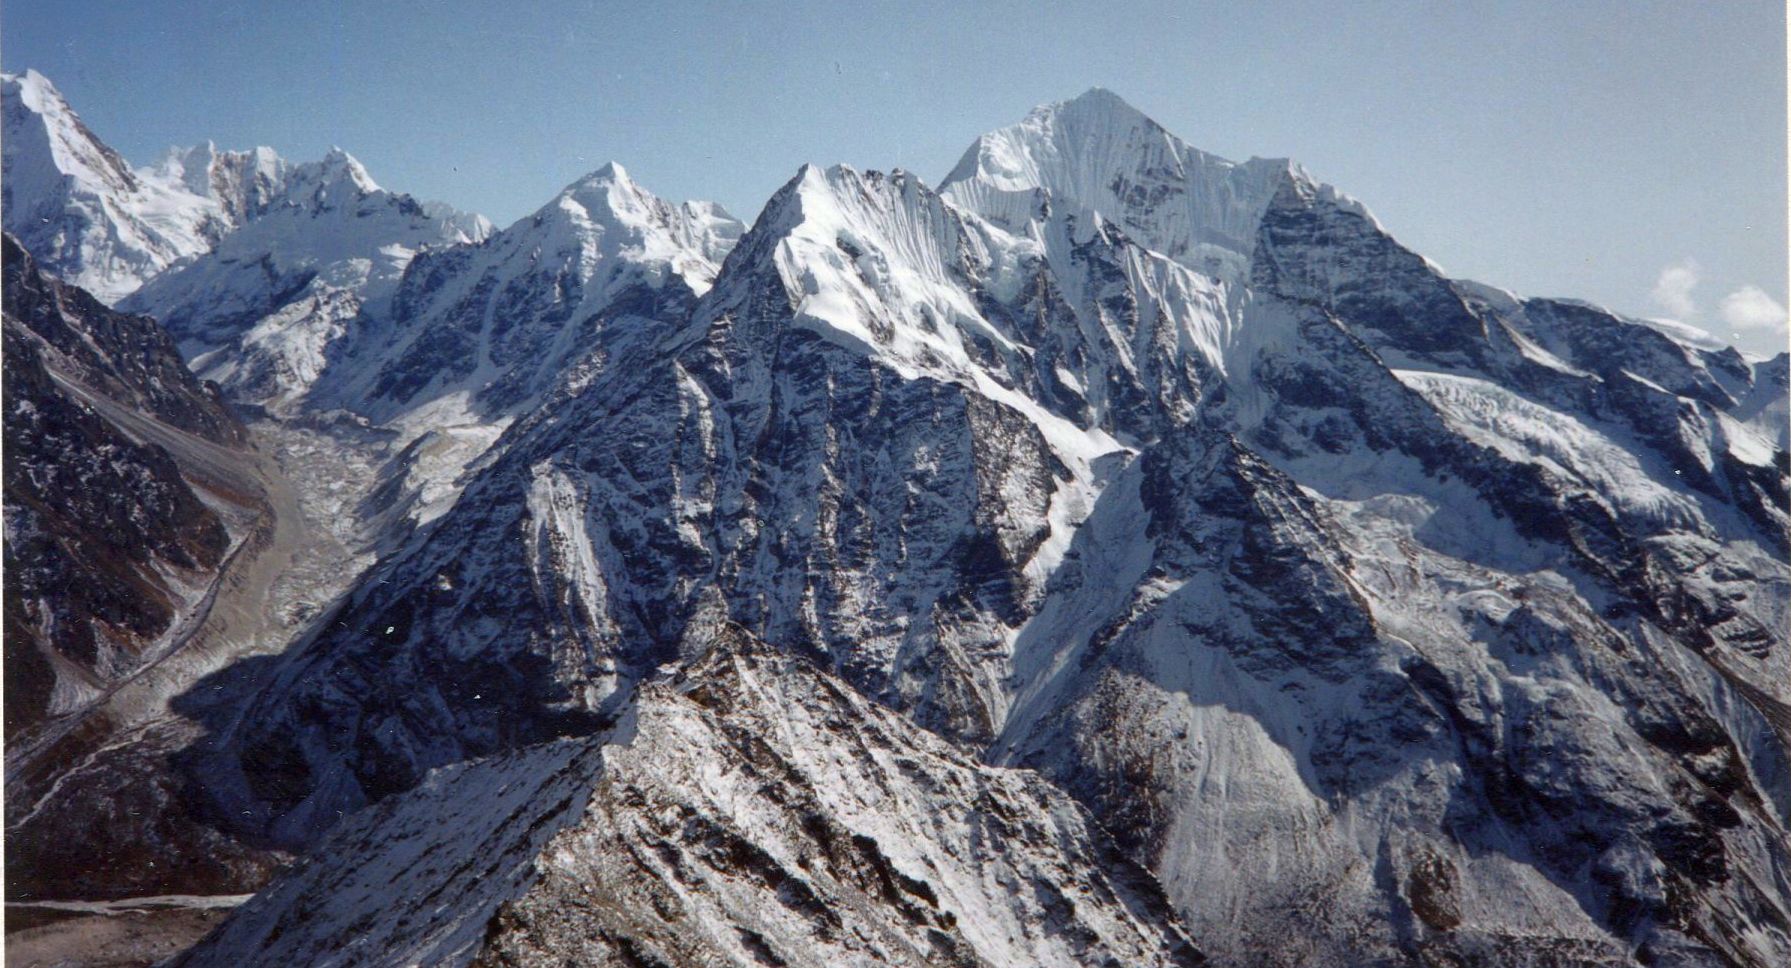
x: 611, y: 171
x: 190, y: 165
x: 343, y: 166
x: 336, y: 170
x: 1097, y: 102
x: 613, y: 220
x: 605, y: 188
x: 604, y: 195
x: 78, y: 206
x: 36, y: 92
x: 1096, y: 154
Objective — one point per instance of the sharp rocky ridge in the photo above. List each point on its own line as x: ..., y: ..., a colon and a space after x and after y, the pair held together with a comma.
x: 1383, y: 617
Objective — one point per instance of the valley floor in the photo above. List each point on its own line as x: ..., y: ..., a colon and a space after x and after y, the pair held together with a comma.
x: 132, y: 933
x: 294, y: 557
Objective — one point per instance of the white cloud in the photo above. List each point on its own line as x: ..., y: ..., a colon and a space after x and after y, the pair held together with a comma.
x: 1673, y: 290
x: 1750, y: 308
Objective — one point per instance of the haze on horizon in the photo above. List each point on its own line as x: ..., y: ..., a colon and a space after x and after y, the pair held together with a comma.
x: 1632, y: 154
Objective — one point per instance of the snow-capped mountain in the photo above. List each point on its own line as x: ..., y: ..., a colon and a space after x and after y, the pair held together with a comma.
x: 97, y: 223
x: 261, y: 311
x: 343, y: 297
x: 86, y: 215
x: 1384, y: 617
x: 1097, y: 154
x: 1367, y: 606
x: 244, y: 184
x: 486, y: 330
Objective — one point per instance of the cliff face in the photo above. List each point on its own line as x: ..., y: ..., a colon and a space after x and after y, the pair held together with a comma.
x: 762, y: 596
x: 109, y: 543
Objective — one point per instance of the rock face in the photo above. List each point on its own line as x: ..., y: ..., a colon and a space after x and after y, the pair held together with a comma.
x: 1378, y: 610
x: 1384, y: 618
x: 745, y: 809
x: 109, y: 543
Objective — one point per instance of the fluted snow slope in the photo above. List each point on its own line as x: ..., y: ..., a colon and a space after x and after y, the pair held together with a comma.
x: 1386, y: 616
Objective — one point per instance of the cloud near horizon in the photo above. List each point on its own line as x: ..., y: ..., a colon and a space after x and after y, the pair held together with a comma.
x: 1750, y: 308
x: 1746, y: 311
x: 1673, y: 290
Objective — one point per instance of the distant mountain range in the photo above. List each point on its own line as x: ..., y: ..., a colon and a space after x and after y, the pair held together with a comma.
x: 1112, y: 554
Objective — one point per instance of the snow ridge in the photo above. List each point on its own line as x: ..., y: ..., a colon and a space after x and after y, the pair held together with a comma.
x: 81, y: 210
x: 1384, y: 617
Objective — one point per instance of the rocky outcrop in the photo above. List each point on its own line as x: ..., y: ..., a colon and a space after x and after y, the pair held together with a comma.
x: 109, y: 543
x: 746, y: 809
x: 1386, y: 618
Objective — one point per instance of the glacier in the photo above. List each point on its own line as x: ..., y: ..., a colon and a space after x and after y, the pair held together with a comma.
x: 1335, y: 610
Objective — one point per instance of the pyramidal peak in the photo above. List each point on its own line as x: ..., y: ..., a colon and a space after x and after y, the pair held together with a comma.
x: 1097, y: 103
x: 605, y: 195
x: 1096, y: 153
x: 77, y: 205
x: 608, y: 207
x: 611, y: 171
x: 338, y: 166
x: 48, y: 133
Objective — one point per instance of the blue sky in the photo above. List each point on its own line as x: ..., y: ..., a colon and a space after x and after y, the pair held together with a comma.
x: 1628, y: 153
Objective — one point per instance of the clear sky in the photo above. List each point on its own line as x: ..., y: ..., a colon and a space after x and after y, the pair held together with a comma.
x: 1629, y: 153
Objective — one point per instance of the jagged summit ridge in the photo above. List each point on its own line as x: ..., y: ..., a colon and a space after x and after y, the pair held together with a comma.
x: 1097, y: 153
x: 608, y: 212
x: 76, y: 205
x: 91, y: 218
x: 1386, y: 618
x: 279, y: 291
x: 244, y: 183
x: 476, y: 333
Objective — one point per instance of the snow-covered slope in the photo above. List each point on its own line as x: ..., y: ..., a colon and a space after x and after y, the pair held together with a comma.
x: 260, y: 312
x: 77, y: 206
x: 1386, y: 618
x: 487, y: 330
x: 1371, y: 608
x: 1096, y: 153
x: 344, y: 298
x: 744, y: 810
